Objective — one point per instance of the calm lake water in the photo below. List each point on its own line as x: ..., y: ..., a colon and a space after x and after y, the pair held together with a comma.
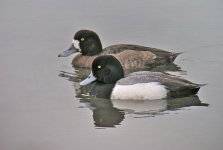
x: 43, y: 108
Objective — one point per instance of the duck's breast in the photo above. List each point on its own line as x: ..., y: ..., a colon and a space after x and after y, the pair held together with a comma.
x: 83, y: 61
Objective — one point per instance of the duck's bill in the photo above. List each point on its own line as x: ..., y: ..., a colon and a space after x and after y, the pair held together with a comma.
x: 91, y: 78
x: 68, y: 52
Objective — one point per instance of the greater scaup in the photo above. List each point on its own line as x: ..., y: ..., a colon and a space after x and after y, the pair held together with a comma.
x: 88, y: 44
x: 138, y: 85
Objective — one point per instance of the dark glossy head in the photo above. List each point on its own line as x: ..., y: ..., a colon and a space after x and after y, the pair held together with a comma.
x: 105, y: 69
x: 86, y: 42
x: 89, y: 42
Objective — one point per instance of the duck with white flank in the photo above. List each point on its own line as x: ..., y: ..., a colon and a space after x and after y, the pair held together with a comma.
x: 143, y: 85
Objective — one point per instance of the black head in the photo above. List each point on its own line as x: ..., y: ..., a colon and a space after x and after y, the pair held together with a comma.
x: 86, y: 42
x: 89, y: 42
x: 107, y: 69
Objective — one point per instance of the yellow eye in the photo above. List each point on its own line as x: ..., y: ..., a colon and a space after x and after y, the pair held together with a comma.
x: 99, y: 66
x: 82, y: 39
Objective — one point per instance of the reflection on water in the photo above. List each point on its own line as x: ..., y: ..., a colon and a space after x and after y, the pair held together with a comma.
x: 108, y: 113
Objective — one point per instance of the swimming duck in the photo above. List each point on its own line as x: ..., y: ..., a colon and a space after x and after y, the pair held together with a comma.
x: 89, y: 46
x: 143, y: 85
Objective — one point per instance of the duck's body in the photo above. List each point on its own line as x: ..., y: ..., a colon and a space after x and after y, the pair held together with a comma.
x: 152, y: 85
x: 141, y: 85
x: 89, y: 45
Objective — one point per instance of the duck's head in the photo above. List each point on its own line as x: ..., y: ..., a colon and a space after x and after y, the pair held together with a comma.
x: 106, y: 69
x: 86, y: 42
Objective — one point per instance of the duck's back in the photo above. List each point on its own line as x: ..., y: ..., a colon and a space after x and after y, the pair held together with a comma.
x: 132, y: 61
x: 162, y: 56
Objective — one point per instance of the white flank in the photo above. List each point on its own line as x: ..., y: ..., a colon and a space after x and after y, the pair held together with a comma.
x: 76, y: 44
x: 139, y: 91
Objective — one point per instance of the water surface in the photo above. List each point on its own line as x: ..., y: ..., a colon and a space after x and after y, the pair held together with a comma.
x: 39, y: 109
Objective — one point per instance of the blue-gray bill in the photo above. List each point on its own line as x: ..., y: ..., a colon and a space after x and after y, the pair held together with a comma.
x: 91, y: 78
x: 68, y: 52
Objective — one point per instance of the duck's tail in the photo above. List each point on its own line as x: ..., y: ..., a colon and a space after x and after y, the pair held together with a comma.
x: 185, y: 90
x: 194, y: 89
x: 174, y: 56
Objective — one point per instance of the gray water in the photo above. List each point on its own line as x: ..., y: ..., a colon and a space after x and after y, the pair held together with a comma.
x: 40, y: 108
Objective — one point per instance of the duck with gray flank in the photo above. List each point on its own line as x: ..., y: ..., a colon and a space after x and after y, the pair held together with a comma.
x: 89, y: 46
x: 143, y: 85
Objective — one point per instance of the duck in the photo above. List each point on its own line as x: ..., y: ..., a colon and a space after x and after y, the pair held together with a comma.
x: 140, y: 85
x: 87, y: 46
